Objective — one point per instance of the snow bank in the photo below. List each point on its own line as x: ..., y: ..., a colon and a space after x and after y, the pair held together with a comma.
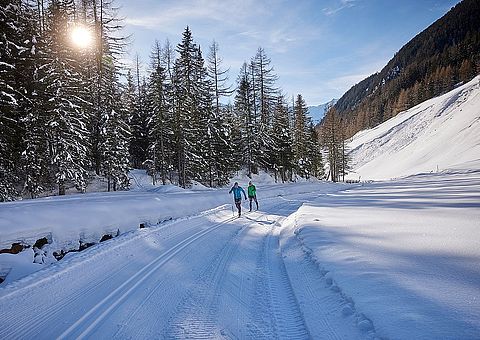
x: 406, y: 254
x: 70, y: 220
x: 438, y: 134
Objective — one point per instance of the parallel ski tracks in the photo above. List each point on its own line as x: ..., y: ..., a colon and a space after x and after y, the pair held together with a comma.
x: 197, y: 315
x: 275, y: 297
x: 18, y: 328
x: 87, y: 323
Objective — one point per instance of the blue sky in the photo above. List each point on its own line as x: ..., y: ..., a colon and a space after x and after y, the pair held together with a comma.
x: 319, y: 48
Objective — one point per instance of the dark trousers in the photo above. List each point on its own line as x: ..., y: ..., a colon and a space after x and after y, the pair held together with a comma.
x: 238, y: 203
x: 254, y: 198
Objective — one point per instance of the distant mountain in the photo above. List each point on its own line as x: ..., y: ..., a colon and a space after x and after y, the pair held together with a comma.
x: 318, y: 112
x: 440, y: 134
x: 434, y: 62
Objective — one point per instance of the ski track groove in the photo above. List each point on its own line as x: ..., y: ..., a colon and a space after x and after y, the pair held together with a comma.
x: 275, y: 311
x: 287, y: 316
x: 111, y: 301
x: 18, y: 329
x: 261, y: 310
x: 194, y: 321
x: 309, y: 278
x: 50, y: 311
x: 330, y: 296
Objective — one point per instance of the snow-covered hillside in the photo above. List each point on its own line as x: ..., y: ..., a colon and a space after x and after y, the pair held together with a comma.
x: 439, y: 134
x: 318, y: 112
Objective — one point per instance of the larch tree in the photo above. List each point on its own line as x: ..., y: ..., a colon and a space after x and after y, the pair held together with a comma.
x: 265, y: 94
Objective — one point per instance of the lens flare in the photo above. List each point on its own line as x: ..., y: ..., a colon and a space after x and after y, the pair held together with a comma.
x: 81, y: 36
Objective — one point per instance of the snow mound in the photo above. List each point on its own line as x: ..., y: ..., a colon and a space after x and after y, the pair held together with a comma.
x: 439, y: 134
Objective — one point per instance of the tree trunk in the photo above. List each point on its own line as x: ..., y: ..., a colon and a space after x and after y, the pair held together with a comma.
x: 61, y: 188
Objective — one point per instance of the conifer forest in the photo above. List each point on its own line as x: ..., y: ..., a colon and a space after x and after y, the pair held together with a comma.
x: 71, y: 111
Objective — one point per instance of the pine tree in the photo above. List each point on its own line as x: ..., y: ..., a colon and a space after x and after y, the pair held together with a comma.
x: 17, y: 66
x: 140, y: 122
x: 247, y: 136
x: 300, y: 137
x: 116, y: 133
x: 281, y: 131
x: 66, y: 133
x: 186, y: 118
x: 161, y: 122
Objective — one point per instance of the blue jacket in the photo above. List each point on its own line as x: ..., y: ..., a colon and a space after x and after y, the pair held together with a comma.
x: 237, y: 192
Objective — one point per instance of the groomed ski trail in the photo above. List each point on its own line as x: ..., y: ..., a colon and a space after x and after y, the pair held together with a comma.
x: 210, y: 276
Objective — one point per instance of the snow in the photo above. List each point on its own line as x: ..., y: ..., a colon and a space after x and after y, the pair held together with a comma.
x: 394, y: 259
x: 318, y: 112
x: 69, y: 221
x: 404, y: 255
x: 438, y: 134
x: 391, y: 259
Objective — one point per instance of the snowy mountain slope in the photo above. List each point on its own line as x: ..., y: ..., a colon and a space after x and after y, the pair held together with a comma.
x: 438, y: 134
x: 318, y: 112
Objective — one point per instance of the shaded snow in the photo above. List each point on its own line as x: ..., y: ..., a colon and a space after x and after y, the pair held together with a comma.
x: 404, y: 255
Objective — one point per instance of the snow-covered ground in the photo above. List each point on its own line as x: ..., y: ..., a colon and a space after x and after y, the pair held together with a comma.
x: 70, y: 222
x: 402, y: 256
x: 438, y: 134
x: 396, y: 259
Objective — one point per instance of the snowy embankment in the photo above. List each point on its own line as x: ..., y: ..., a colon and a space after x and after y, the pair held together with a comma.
x: 438, y: 134
x: 70, y: 220
x: 403, y: 256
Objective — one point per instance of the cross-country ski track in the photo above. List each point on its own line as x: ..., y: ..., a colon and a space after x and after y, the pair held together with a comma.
x: 206, y: 276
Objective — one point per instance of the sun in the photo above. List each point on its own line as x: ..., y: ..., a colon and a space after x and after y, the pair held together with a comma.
x: 81, y: 36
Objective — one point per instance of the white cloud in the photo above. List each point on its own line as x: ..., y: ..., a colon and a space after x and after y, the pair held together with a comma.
x: 343, y: 4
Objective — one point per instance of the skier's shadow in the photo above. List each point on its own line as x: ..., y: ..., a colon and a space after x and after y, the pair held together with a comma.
x: 260, y: 222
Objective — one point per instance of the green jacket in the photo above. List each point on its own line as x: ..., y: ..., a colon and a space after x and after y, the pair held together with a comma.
x: 252, y: 191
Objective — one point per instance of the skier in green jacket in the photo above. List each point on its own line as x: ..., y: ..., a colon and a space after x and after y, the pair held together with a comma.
x: 252, y: 194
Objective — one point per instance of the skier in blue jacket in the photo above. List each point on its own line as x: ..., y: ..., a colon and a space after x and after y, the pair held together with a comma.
x: 237, y: 196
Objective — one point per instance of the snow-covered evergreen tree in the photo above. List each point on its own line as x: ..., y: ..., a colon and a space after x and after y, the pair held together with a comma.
x: 66, y: 125
x: 17, y: 67
x: 161, y: 121
x: 192, y: 107
x: 115, y: 132
x: 300, y: 137
x: 140, y: 122
x: 244, y: 108
x: 282, y: 137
